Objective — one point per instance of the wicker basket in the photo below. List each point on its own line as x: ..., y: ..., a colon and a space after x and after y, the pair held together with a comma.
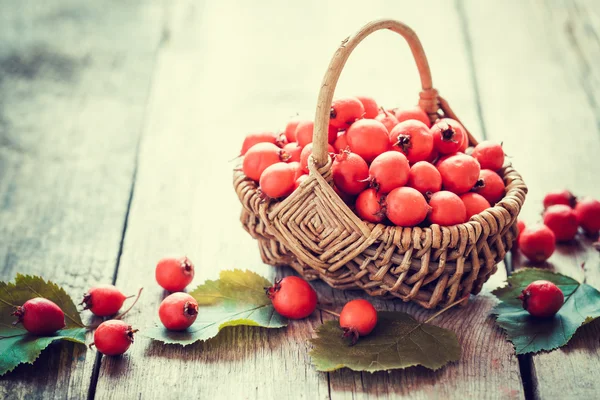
x: 316, y: 233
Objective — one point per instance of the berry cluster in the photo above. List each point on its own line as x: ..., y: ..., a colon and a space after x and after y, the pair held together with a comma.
x: 389, y: 166
x: 563, y: 215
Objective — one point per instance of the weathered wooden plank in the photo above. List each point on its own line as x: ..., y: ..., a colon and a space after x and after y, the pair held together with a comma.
x: 208, y: 93
x: 74, y: 78
x: 539, y: 90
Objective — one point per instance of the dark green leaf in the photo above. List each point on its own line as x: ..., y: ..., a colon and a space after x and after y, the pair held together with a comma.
x: 398, y: 341
x: 530, y: 334
x: 16, y: 345
x: 237, y: 298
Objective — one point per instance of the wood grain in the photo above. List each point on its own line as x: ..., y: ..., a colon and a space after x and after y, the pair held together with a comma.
x: 72, y: 106
x: 207, y: 94
x: 541, y: 100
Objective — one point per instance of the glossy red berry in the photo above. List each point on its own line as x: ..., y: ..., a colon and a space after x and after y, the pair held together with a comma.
x: 307, y: 152
x: 448, y: 136
x: 290, y: 130
x: 370, y: 106
x: 255, y: 138
x: 259, y: 157
x: 178, y: 311
x: 40, y: 316
x: 103, y: 300
x: 345, y: 111
x: 416, y: 113
x: 542, y: 299
x: 370, y: 206
x: 368, y: 138
x: 412, y: 138
x: 358, y: 318
x: 425, y: 178
x: 447, y: 209
x: 341, y: 142
x: 388, y: 171
x: 293, y: 297
x: 537, y: 242
x: 560, y: 197
x: 588, y: 215
x: 278, y: 180
x: 174, y: 274
x: 474, y: 203
x: 562, y: 220
x: 459, y: 173
x: 489, y: 154
x: 406, y: 206
x: 387, y: 119
x: 520, y: 227
x: 113, y: 337
x: 350, y: 172
x: 293, y: 150
x: 490, y: 185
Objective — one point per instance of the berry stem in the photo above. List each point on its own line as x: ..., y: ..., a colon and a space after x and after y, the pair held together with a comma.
x: 131, y: 306
x: 443, y: 310
x: 329, y: 312
x: 8, y: 304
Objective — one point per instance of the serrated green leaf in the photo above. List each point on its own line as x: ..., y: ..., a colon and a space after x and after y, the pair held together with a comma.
x: 237, y: 298
x: 530, y: 334
x: 16, y: 345
x: 398, y: 341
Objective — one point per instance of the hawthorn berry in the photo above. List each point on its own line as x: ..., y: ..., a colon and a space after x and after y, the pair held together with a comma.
x: 459, y: 173
x: 520, y: 227
x: 537, y: 242
x: 358, y: 318
x: 341, y: 142
x: 370, y: 206
x: 542, y: 299
x: 490, y: 185
x: 345, y: 111
x: 560, y: 197
x: 588, y: 215
x: 290, y: 130
x: 388, y: 171
x: 178, y: 311
x: 307, y: 152
x: 406, y: 206
x: 447, y: 209
x: 562, y: 220
x: 368, y: 138
x: 416, y: 113
x: 350, y: 172
x: 255, y: 138
x: 370, y: 106
x: 103, y: 300
x: 278, y: 180
x: 174, y: 274
x: 474, y: 203
x: 293, y: 297
x: 412, y: 138
x: 259, y: 157
x: 425, y: 178
x: 489, y: 154
x: 387, y: 119
x: 293, y: 150
x: 113, y: 337
x: 40, y: 316
x: 448, y: 135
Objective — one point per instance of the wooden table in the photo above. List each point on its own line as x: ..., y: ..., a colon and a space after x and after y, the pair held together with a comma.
x: 117, y: 121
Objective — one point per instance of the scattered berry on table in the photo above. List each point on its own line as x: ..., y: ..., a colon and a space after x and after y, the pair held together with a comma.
x: 40, y: 316
x: 537, y: 243
x: 588, y: 215
x: 542, y: 299
x: 113, y: 337
x: 178, y: 311
x: 293, y: 297
x: 103, y: 300
x: 560, y: 197
x: 174, y: 274
x: 358, y: 318
x: 562, y: 220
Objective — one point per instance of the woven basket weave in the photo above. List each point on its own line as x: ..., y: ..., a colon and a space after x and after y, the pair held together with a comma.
x: 316, y: 233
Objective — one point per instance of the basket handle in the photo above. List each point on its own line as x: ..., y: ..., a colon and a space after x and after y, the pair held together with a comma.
x: 428, y: 98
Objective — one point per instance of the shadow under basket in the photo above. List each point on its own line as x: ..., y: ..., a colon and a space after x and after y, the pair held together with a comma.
x: 318, y: 235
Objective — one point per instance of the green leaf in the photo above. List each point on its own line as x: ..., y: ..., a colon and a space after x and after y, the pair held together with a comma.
x: 530, y: 334
x: 398, y: 341
x: 16, y: 345
x: 237, y: 298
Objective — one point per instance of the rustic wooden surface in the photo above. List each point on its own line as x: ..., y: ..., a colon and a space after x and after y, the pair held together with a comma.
x: 115, y: 136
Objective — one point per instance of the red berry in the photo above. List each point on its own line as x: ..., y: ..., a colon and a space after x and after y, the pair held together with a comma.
x: 293, y: 297
x: 332, y: 134
x: 448, y: 135
x: 341, y: 142
x: 346, y: 198
x: 370, y: 206
x: 562, y: 220
x: 370, y: 106
x: 255, y: 138
x: 490, y: 155
x: 459, y: 173
x: 304, y: 132
x: 290, y: 130
x: 465, y: 143
x: 406, y: 207
x: 447, y: 209
x: 293, y: 150
x: 425, y: 178
x: 412, y: 138
x: 542, y: 299
x: 40, y: 316
x: 520, y: 227
x: 560, y: 197
x: 490, y: 185
x: 178, y: 311
x: 113, y: 337
x: 307, y: 152
x: 299, y: 181
x: 358, y: 318
x: 259, y: 157
x: 345, y: 111
x: 387, y: 119
x: 103, y: 300
x: 278, y: 180
x: 413, y: 113
x: 474, y: 203
x: 588, y: 215
x: 388, y: 171
x: 368, y: 138
x: 350, y: 172
x: 537, y: 243
x: 174, y: 274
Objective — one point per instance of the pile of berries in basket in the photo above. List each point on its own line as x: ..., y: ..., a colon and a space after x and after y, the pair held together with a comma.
x: 389, y: 166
